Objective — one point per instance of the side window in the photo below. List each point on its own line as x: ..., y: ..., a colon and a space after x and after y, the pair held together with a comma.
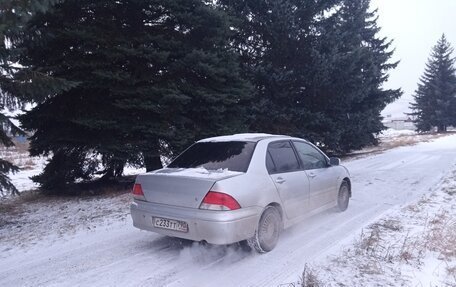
x: 270, y: 166
x: 282, y: 157
x: 310, y: 157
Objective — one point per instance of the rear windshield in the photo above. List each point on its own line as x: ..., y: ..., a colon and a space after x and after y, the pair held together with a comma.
x: 233, y: 155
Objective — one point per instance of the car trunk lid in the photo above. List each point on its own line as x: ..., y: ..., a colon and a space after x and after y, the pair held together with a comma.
x: 180, y: 187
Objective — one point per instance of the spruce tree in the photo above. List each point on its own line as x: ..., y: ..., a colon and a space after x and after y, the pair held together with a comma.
x: 354, y: 64
x: 277, y: 40
x: 153, y: 76
x: 14, y: 89
x: 318, y: 68
x: 435, y: 98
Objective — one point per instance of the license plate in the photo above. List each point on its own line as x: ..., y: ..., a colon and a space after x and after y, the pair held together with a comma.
x: 170, y: 224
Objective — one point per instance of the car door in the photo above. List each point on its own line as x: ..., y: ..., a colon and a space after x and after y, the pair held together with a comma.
x: 290, y: 180
x: 322, y: 176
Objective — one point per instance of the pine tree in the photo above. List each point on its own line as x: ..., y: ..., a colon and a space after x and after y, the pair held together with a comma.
x: 153, y: 77
x: 435, y: 98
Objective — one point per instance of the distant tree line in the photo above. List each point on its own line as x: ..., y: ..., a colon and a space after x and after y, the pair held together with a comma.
x: 435, y: 98
x: 130, y: 81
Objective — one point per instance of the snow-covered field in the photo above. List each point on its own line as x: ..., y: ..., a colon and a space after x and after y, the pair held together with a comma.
x: 91, y: 241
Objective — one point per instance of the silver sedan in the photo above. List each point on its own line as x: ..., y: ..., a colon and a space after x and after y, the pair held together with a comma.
x: 244, y: 187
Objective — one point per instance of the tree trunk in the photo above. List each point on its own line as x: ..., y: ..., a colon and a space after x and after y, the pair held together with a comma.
x: 442, y: 129
x: 114, y: 170
x: 152, y: 162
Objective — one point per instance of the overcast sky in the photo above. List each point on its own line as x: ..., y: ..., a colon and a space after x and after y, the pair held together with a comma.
x: 415, y: 26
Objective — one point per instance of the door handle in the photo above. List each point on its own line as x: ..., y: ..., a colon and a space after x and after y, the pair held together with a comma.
x: 280, y: 180
x: 311, y: 175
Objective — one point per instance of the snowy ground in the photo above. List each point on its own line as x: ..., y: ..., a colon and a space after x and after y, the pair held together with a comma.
x: 91, y: 241
x: 413, y: 245
x: 29, y: 166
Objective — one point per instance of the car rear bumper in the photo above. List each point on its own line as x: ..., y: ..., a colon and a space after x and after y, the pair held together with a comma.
x: 215, y: 227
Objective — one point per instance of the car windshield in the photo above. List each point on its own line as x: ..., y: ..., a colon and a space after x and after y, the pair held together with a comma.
x: 233, y: 155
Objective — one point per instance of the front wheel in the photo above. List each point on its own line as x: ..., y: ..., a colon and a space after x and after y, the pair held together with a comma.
x: 343, y: 197
x: 268, y: 231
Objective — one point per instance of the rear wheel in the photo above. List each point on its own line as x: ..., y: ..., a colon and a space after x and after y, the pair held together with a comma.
x: 344, y: 196
x: 268, y: 231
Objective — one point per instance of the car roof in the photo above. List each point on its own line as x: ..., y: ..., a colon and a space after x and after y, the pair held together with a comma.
x: 251, y: 137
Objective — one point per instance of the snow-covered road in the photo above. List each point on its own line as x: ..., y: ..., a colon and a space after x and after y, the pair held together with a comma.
x: 120, y: 255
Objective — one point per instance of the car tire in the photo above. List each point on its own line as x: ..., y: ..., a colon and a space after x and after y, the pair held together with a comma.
x: 343, y: 197
x: 268, y: 231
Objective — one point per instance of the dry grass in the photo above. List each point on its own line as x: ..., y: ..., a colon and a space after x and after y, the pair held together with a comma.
x: 441, y: 235
x: 412, y: 208
x: 391, y: 224
x: 408, y: 240
x: 394, y: 142
x: 406, y: 140
x: 388, y: 243
x: 310, y: 278
x: 451, y: 271
x: 376, y: 245
x: 411, y: 140
x: 368, y: 242
x: 417, y: 207
x: 19, y: 155
x: 451, y: 190
x: 441, y: 238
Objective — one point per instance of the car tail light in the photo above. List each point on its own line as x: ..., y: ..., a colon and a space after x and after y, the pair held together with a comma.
x: 219, y: 201
x: 138, y: 192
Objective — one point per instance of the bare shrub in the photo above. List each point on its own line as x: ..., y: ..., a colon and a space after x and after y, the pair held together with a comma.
x: 310, y: 278
x: 372, y: 267
x: 391, y: 224
x: 379, y: 248
x: 441, y: 236
x: 451, y: 271
x: 451, y: 190
x: 368, y: 242
x: 413, y: 208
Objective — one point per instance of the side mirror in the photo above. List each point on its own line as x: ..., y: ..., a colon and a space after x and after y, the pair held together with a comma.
x: 334, y: 161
